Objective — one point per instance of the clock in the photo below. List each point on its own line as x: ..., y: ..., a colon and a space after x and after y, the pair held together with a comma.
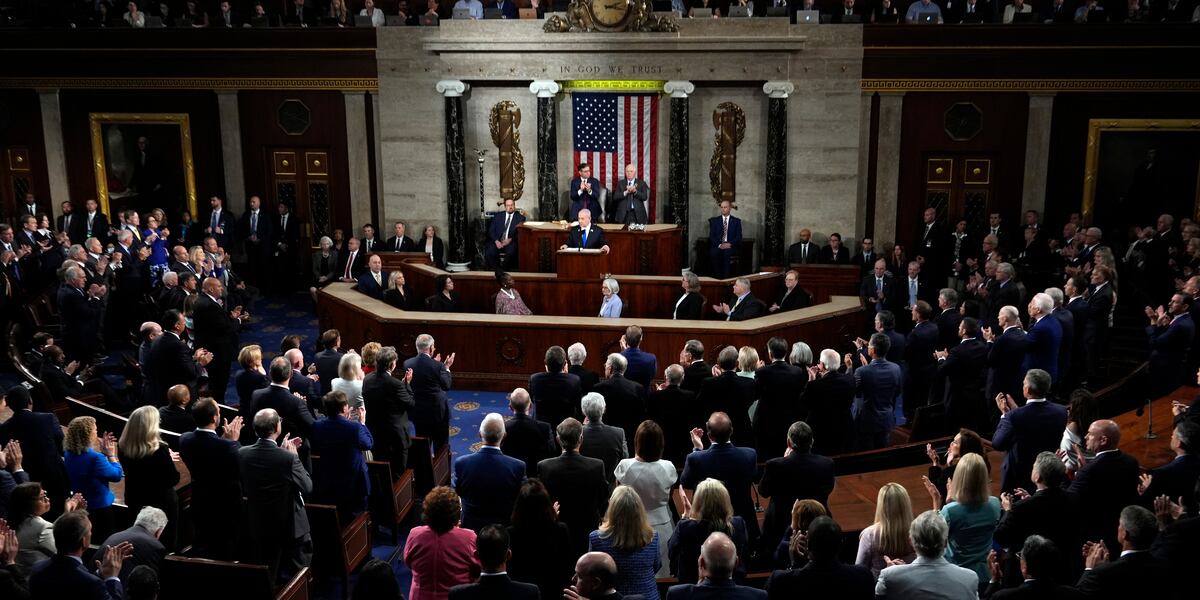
x: 610, y: 14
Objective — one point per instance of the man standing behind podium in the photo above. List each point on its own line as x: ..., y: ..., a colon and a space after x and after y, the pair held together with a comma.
x: 502, y: 237
x: 585, y: 192
x: 724, y: 238
x: 585, y: 235
x: 629, y: 200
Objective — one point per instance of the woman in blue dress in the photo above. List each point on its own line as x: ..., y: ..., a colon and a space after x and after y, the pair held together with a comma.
x: 626, y: 536
x: 155, y: 237
x: 972, y: 513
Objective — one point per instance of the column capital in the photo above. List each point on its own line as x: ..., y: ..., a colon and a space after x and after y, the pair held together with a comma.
x: 1043, y: 94
x: 544, y: 88
x: 679, y: 89
x: 452, y: 88
x: 778, y: 89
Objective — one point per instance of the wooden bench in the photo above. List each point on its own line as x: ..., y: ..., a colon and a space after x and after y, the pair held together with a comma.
x: 338, y: 551
x: 84, y: 406
x: 430, y: 469
x: 391, y: 501
x: 905, y: 455
x: 183, y: 578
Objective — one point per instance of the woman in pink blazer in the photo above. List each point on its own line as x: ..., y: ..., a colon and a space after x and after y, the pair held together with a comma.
x: 440, y: 553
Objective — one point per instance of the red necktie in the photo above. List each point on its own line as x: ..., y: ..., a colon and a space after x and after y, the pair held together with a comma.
x: 349, y: 262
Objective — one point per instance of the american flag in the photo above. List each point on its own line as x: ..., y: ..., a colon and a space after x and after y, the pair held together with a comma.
x: 614, y: 130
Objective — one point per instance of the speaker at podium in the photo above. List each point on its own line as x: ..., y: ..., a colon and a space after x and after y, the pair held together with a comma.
x: 582, y: 264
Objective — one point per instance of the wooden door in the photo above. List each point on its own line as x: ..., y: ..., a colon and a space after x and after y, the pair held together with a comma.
x: 16, y: 179
x: 960, y: 187
x: 300, y: 178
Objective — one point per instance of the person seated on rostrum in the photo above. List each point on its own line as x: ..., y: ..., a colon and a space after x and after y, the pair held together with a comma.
x: 611, y: 306
x: 508, y: 299
x: 445, y: 300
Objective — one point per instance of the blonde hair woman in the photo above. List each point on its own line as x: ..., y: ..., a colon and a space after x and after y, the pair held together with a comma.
x: 90, y: 471
x: 709, y: 510
x: 626, y: 535
x: 887, y: 537
x: 748, y: 361
x: 972, y: 513
x: 150, y: 473
x: 349, y: 382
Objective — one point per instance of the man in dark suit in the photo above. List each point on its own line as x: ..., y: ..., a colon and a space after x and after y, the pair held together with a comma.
x: 731, y: 394
x: 368, y: 242
x: 1027, y: 430
x: 586, y: 235
x: 733, y: 465
x: 724, y: 240
x: 1038, y: 570
x: 642, y: 366
x: 828, y: 398
x: 285, y: 246
x: 215, y: 328
x: 275, y: 484
x: 218, y: 223
x: 695, y: 369
x: 95, y: 223
x: 71, y: 223
x: 1066, y: 321
x: 921, y: 367
x: 1100, y: 309
x: 526, y: 439
x: 340, y: 477
x: 948, y: 317
x: 596, y: 579
x: 824, y: 576
x: 555, y: 392
x: 576, y: 355
x: 1006, y: 353
x: 390, y: 399
x: 963, y: 372
x: 1106, y: 484
x: 797, y: 475
x: 865, y: 259
x: 353, y: 264
x: 1137, y: 573
x: 41, y: 439
x: 577, y: 483
x: 1003, y: 293
x: 629, y: 199
x: 877, y: 290
x: 64, y: 575
x: 793, y: 297
x: 399, y: 242
x: 212, y: 461
x: 879, y: 382
x: 328, y: 359
x: 143, y: 536
x: 80, y: 310
x: 847, y: 13
x: 778, y: 387
x: 930, y: 247
x: 743, y: 305
x: 1044, y: 338
x: 835, y: 253
x: 491, y: 548
x: 625, y: 400
x: 487, y: 481
x: 297, y: 419
x: 910, y: 290
x: 374, y: 280
x: 1075, y: 303
x: 601, y: 441
x: 303, y: 385
x: 501, y: 249
x: 585, y: 194
x: 1171, y: 332
x: 671, y: 407
x: 1047, y: 511
x: 430, y: 381
x: 1176, y: 479
x: 256, y: 241
x: 805, y: 251
x: 170, y: 362
x: 718, y: 559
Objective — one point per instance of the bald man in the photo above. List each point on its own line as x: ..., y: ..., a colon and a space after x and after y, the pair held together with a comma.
x: 526, y: 439
x: 306, y: 385
x: 718, y: 558
x: 487, y: 480
x: 733, y: 466
x: 595, y: 579
x: 1104, y: 485
x: 215, y: 327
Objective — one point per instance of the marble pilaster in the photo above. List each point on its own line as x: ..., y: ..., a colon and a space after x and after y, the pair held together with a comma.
x: 887, y: 171
x: 775, y: 220
x: 56, y: 160
x: 1037, y: 151
x: 456, y: 173
x: 356, y: 157
x: 677, y: 169
x: 547, y: 147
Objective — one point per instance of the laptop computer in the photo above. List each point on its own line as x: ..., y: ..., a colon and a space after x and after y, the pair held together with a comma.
x: 886, y: 18
x: 154, y: 22
x: 739, y: 11
x: 808, y: 16
x: 492, y: 13
x: 393, y: 20
x: 852, y: 18
x: 462, y: 13
x: 777, y: 11
x: 260, y: 21
x: 927, y: 17
x: 363, y: 21
x: 429, y: 20
x: 527, y: 13
x: 701, y: 13
x: 1023, y: 17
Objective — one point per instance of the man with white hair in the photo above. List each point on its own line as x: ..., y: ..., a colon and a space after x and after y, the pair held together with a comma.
x: 624, y: 398
x: 718, y: 559
x: 1006, y: 353
x: 274, y: 484
x: 930, y: 576
x: 1025, y: 431
x: 1003, y: 292
x: 487, y: 480
x: 586, y: 235
x: 1044, y: 337
x: 576, y: 355
x: 1066, y: 321
x: 144, y: 534
x: 828, y: 398
x: 430, y: 381
x: 601, y: 441
x: 164, y: 292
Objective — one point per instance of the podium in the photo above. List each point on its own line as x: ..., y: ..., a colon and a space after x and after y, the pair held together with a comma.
x: 577, y: 264
x: 655, y: 251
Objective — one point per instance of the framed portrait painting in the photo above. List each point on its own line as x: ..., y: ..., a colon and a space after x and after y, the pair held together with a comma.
x: 1137, y: 169
x: 143, y: 161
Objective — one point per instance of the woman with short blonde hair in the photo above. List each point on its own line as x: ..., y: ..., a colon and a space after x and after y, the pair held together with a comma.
x: 349, y: 382
x: 888, y: 535
x: 972, y: 513
x: 150, y: 473
x: 626, y: 535
x: 747, y: 361
x: 710, y: 510
x: 251, y: 378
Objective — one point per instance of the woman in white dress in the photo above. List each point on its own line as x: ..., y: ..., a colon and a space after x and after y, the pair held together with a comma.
x: 652, y: 478
x: 349, y: 381
x: 1081, y: 411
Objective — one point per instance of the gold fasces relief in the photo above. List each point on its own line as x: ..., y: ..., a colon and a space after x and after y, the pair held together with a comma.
x: 730, y: 122
x: 504, y: 122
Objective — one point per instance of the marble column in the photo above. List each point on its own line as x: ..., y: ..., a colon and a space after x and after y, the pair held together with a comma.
x: 358, y: 167
x: 547, y: 147
x: 863, y: 229
x: 887, y: 166
x: 231, y: 150
x: 775, y: 221
x: 378, y: 165
x: 456, y: 175
x: 1037, y: 151
x: 677, y: 167
x: 56, y: 159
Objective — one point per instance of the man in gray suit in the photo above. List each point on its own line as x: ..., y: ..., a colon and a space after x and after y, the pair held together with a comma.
x: 274, y: 482
x: 601, y: 441
x: 629, y: 199
x: 931, y: 576
x: 144, y: 535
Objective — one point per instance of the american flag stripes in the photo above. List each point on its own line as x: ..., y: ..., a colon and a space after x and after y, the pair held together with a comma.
x: 611, y: 130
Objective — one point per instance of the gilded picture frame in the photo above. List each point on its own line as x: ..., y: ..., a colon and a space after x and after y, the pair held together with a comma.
x: 122, y: 146
x: 1140, y: 135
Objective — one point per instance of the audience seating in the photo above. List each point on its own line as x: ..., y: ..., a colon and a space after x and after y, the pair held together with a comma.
x: 905, y: 455
x: 183, y: 578
x: 337, y: 550
x: 391, y: 500
x: 85, y: 406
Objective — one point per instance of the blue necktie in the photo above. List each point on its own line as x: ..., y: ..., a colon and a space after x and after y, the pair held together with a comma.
x: 584, y: 244
x: 214, y: 221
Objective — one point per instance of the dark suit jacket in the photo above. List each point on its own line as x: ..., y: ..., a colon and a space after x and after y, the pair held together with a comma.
x: 1050, y: 513
x: 340, y: 475
x: 431, y: 380
x: 999, y: 296
x: 606, y: 443
x: 80, y: 317
x: 1041, y: 346
x: 99, y: 228
x: 555, y: 396
x: 528, y: 440
x: 1066, y: 320
x: 216, y: 484
x: 621, y: 203
x: 588, y: 200
x: 390, y: 399
x: 41, y: 439
x: 864, y: 263
x: 643, y: 366
x: 297, y: 419
x: 965, y: 373
x: 1169, y: 350
x: 796, y: 298
x: 327, y: 367
x: 587, y: 379
x: 1022, y: 434
x: 226, y: 220
x: 828, y: 400
x: 823, y: 580
x: 1100, y: 305
x: 214, y: 330
x: 723, y: 590
x: 731, y: 394
x: 749, y: 308
x: 266, y: 219
x: 694, y: 376
x: 59, y: 384
x: 147, y: 550
x: 735, y: 467
x: 625, y: 403
x: 947, y: 323
x: 1175, y: 479
x: 487, y: 481
x: 286, y: 239
x: 787, y: 479
x: 275, y: 484
x: 1034, y: 589
x: 796, y: 254
x: 1176, y: 547
x: 375, y: 245
x: 1104, y: 487
x: 62, y: 576
x: 357, y: 268
x: 367, y: 285
x: 1006, y: 353
x: 879, y: 382
x: 868, y: 292
x: 169, y: 363
x: 595, y: 238
x: 495, y: 586
x: 1137, y: 575
x: 673, y: 409
x: 578, y: 484
x: 778, y: 387
x: 734, y: 237
x: 496, y: 233
x: 841, y: 258
x: 692, y: 307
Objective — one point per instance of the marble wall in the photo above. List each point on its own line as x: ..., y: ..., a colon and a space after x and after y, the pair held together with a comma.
x: 728, y: 61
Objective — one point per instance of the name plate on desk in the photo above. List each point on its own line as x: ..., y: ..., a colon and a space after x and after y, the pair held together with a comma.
x: 579, y: 263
